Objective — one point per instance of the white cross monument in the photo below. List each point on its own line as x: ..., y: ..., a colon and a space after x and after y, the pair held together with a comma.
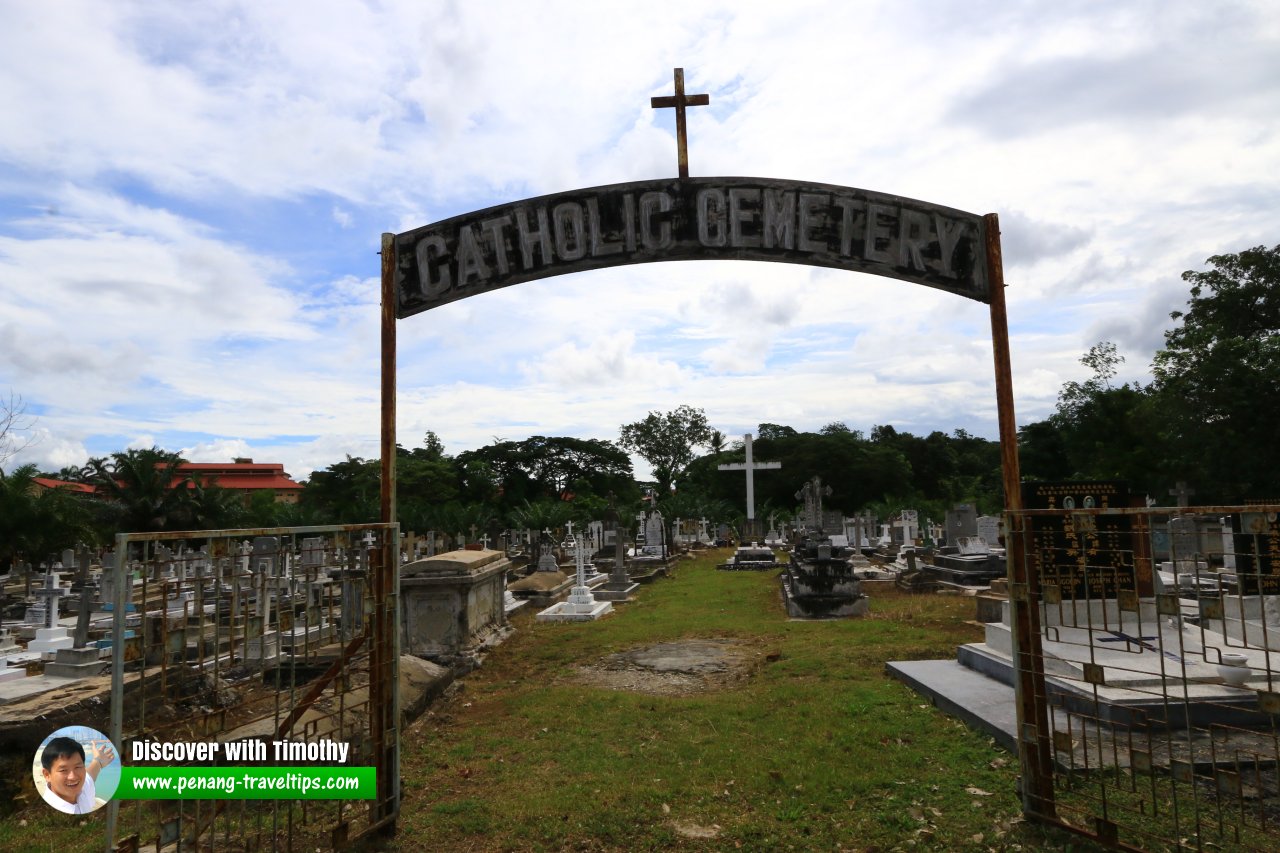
x: 750, y: 466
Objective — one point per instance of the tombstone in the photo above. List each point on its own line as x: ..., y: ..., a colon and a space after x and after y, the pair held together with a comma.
x: 812, y: 494
x: 453, y: 606
x: 988, y: 527
x: 313, y: 553
x: 655, y: 532
x: 1256, y: 547
x: 581, y: 606
x: 704, y: 535
x: 162, y: 562
x: 1182, y: 494
x: 595, y: 536
x: 908, y: 525
x: 773, y: 536
x: 619, y: 586
x: 961, y: 520
x: 723, y: 533
x: 1184, y: 543
x: 1054, y: 541
x: 820, y: 582
x: 82, y: 617
x: 51, y: 636
x: 547, y: 561
x: 1228, y: 546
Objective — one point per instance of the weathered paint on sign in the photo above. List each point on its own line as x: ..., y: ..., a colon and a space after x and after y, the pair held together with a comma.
x: 757, y: 219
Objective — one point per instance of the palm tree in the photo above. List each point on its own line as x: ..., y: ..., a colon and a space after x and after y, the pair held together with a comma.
x: 208, y: 506
x: 143, y: 488
x: 717, y: 442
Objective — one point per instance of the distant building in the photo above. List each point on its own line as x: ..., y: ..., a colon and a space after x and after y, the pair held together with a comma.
x: 244, y: 476
x: 51, y: 483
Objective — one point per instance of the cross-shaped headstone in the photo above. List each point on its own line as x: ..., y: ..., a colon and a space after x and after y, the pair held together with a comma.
x: 1182, y: 493
x: 680, y: 100
x: 52, y: 593
x: 750, y: 466
x: 812, y: 494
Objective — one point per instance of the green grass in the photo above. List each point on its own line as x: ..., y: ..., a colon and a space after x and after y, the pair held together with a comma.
x: 819, y: 749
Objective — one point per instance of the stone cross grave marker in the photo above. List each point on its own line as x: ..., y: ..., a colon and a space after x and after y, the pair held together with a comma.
x: 51, y: 593
x: 812, y: 494
x: 1181, y: 493
x: 908, y: 523
x: 750, y: 466
x: 547, y: 554
x: 82, y: 617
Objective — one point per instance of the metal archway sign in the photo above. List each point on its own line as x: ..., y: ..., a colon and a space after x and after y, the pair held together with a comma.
x: 687, y: 219
x: 684, y: 219
x: 730, y: 218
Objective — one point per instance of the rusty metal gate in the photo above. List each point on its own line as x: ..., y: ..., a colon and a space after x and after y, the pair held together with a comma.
x: 1146, y: 644
x: 286, y: 634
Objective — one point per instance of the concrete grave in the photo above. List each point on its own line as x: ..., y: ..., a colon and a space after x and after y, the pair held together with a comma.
x: 453, y: 606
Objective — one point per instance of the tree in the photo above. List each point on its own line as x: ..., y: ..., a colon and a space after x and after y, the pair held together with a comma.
x: 1098, y: 431
x: 36, y: 522
x: 716, y: 442
x: 666, y: 441
x: 543, y: 467
x: 1218, y: 377
x: 346, y: 492
x: 143, y: 490
x: 14, y: 423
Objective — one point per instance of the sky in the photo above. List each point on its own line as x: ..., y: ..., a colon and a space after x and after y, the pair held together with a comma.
x: 192, y: 197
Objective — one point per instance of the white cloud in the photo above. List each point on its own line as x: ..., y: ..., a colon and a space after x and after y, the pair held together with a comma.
x: 183, y: 191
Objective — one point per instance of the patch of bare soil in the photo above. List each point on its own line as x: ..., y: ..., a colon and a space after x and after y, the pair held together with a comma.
x: 678, y: 668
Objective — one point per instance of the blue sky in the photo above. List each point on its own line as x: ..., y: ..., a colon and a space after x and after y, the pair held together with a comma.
x: 191, y: 198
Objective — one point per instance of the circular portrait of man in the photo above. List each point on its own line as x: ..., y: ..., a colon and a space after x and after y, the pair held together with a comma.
x: 76, y: 769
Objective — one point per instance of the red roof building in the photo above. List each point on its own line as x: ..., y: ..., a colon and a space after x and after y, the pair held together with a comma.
x: 50, y: 483
x: 244, y: 476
